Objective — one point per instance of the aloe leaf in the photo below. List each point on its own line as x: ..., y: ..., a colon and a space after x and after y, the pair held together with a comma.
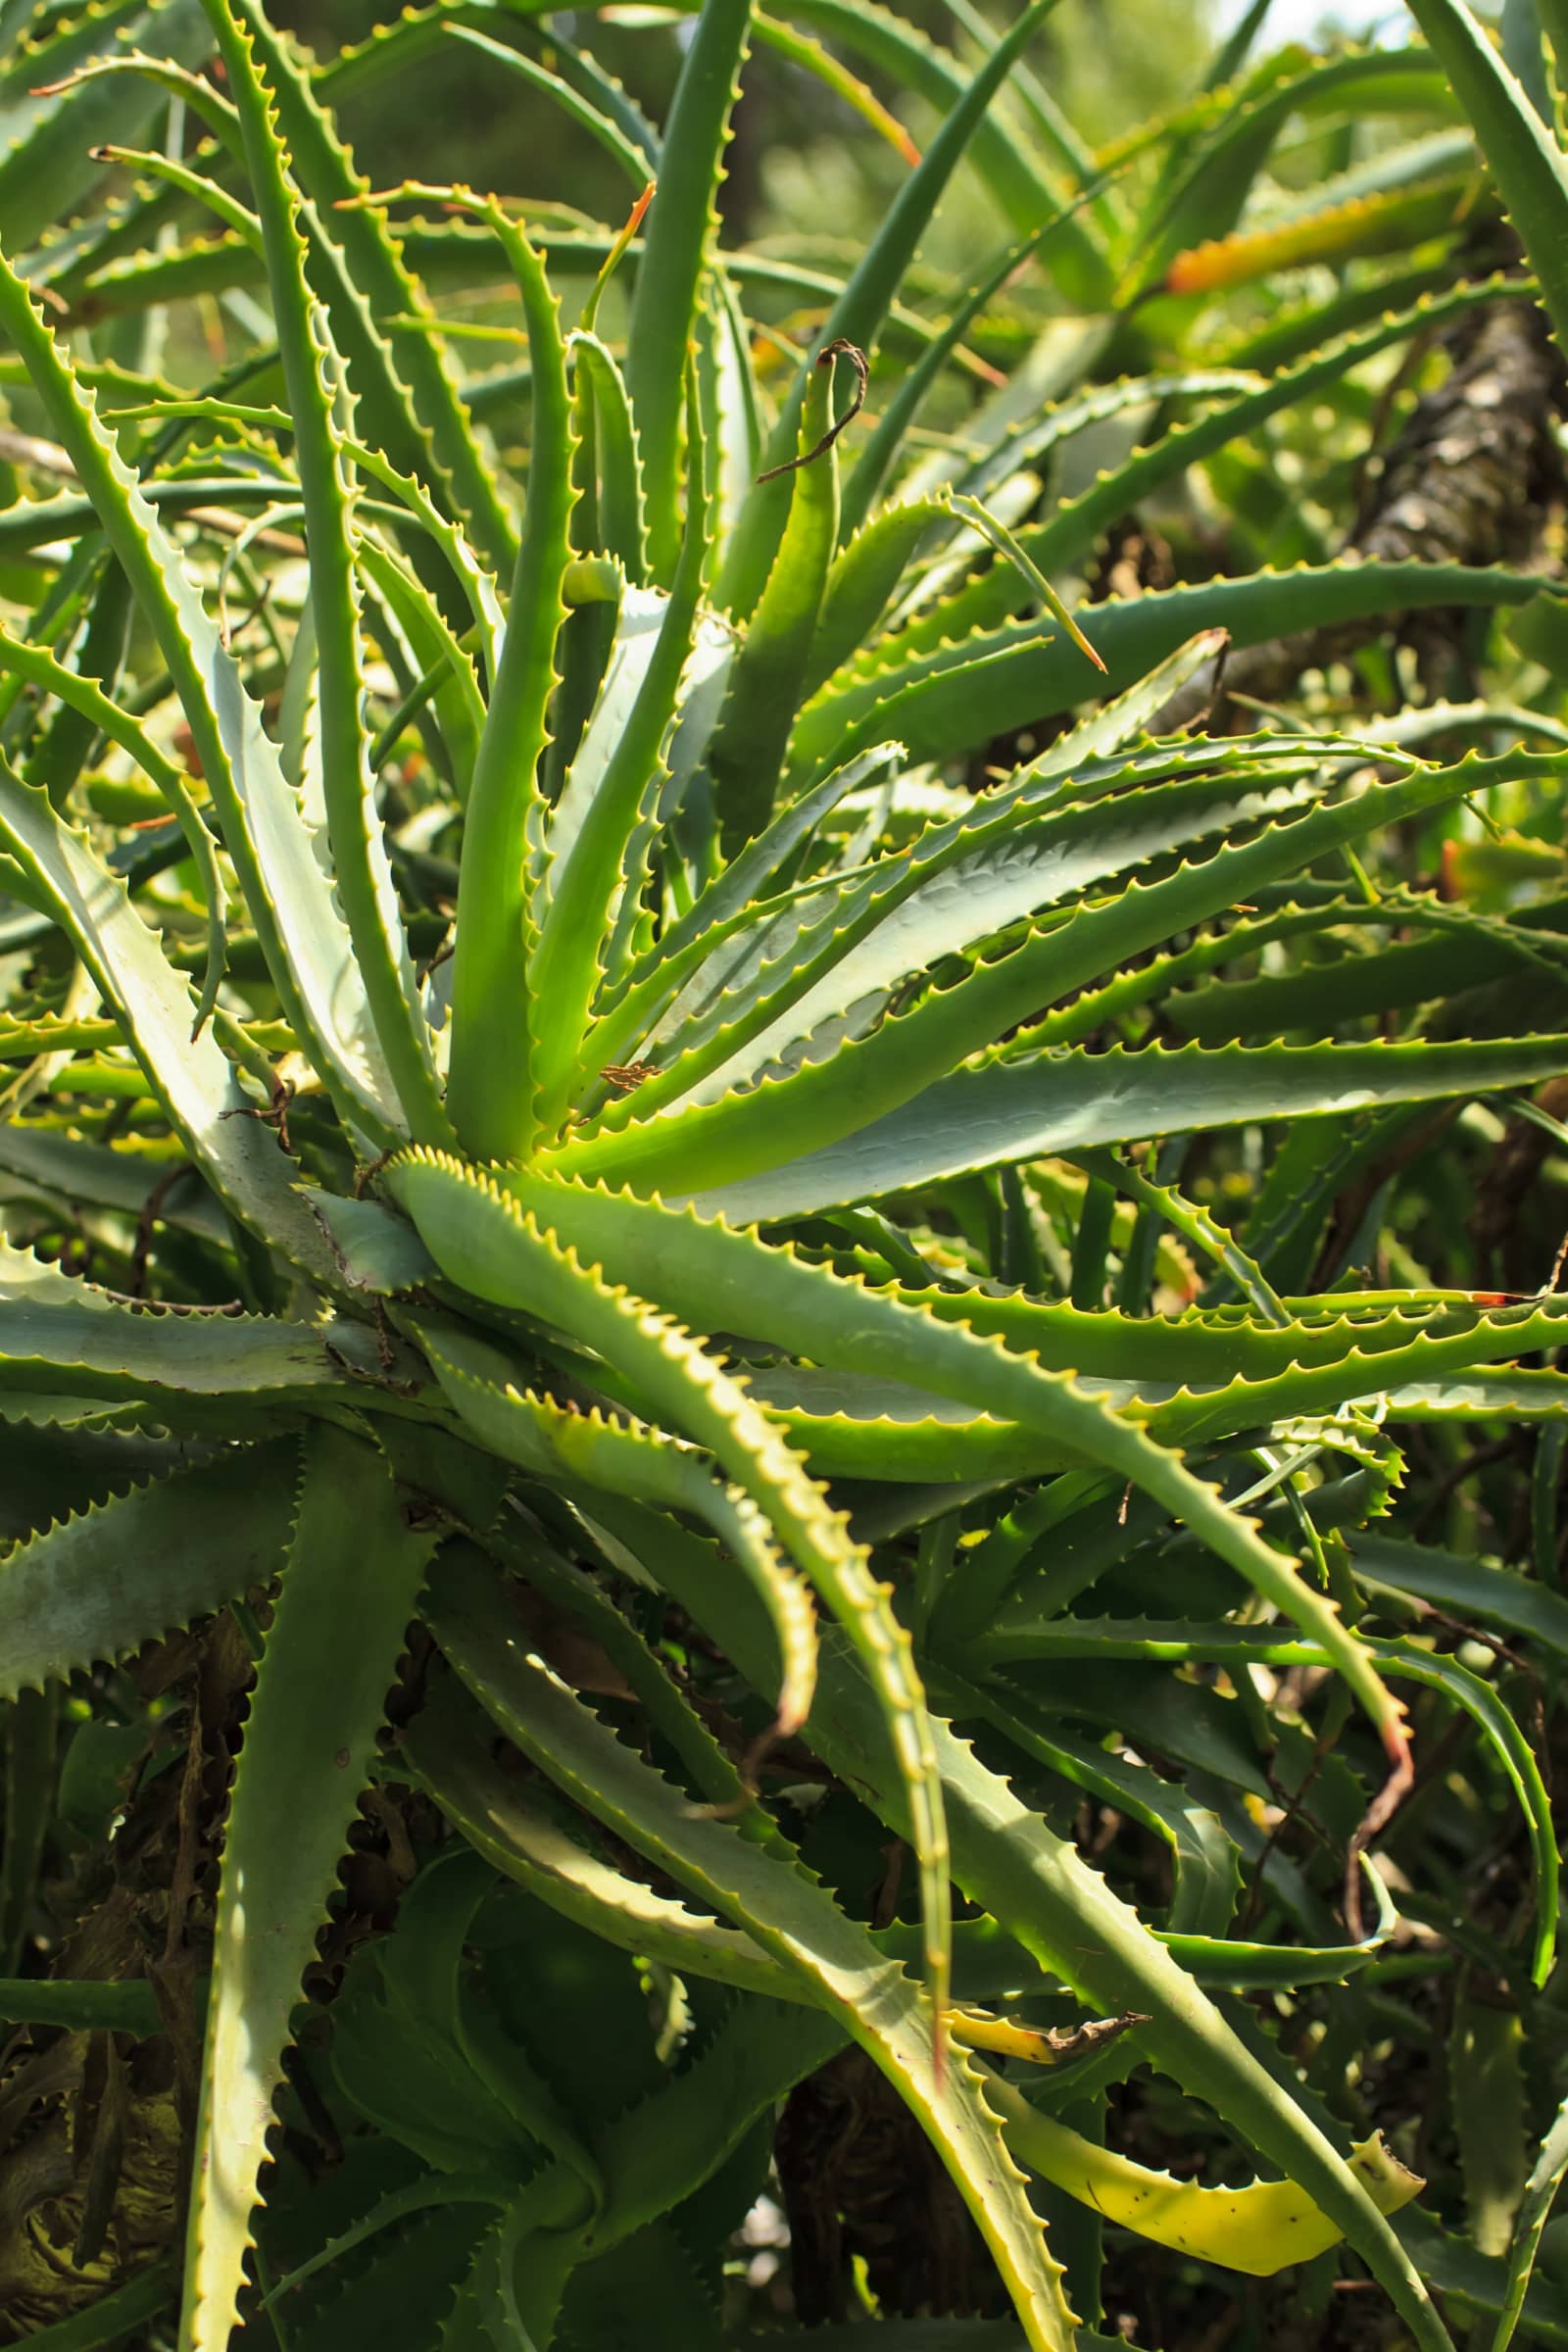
x: 1071, y: 531
x: 553, y: 1857
x: 1004, y: 1113
x: 572, y: 1448
x: 1465, y: 954
x: 866, y: 574
x: 193, y: 185
x: 1215, y: 186
x: 884, y: 442
x: 409, y: 404
x: 1260, y: 2228
x: 610, y: 780
x: 682, y: 227
x: 82, y: 2005
x: 66, y: 1335
x: 1040, y: 1890
x: 710, y: 1275
x: 1466, y: 1587
x: 312, y: 374
x: 1207, y: 1863
x: 1535, y: 2211
x: 991, y: 427
x: 656, y: 2270
x: 94, y: 1588
x: 497, y: 1249
x: 83, y: 695
x: 1005, y: 160
x: 1486, y: 2079
x: 208, y: 104
x: 490, y: 1093
x: 819, y: 972
x: 1358, y: 228
x: 193, y: 1078
x: 1401, y: 1660
x: 766, y: 676
x: 445, y: 668
x: 1495, y: 1720
x: 1525, y: 160
x: 1013, y: 676
x: 784, y: 1911
x: 883, y: 1429
x: 606, y: 428
x: 475, y: 582
x: 1241, y: 1967
x: 63, y: 750
x: 628, y: 153
x: 50, y: 122
x: 725, y: 908
x: 712, y: 1108
x: 349, y: 1588
x: 54, y: 1168
x: 287, y: 895
x: 859, y: 315
x: 712, y: 1773
x: 448, y: 1747
x: 441, y: 2188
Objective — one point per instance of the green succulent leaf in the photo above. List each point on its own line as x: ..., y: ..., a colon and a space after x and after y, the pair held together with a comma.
x: 350, y: 1583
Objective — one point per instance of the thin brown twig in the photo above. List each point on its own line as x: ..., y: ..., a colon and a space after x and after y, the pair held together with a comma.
x: 838, y: 349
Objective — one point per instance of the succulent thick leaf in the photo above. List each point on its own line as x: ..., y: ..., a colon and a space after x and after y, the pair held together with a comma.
x: 818, y: 962
x: 572, y: 1448
x: 1467, y: 1589
x: 194, y: 1079
x: 1036, y: 1887
x: 857, y: 317
x: 768, y: 672
x: 672, y: 979
x: 490, y: 1094
x: 287, y: 893
x: 40, y: 1163
x: 448, y: 1747
x: 1262, y: 2228
x: 49, y: 135
x: 58, y: 1331
x: 622, y: 760
x: 1067, y: 536
x: 711, y: 1276
x: 1540, y: 2190
x: 497, y: 1249
x: 1216, y: 184
x: 783, y: 1910
x: 607, y: 436
x: 315, y: 390
x: 1006, y: 1111
x: 826, y: 968
x: 947, y: 701
x: 352, y: 1578
x: 1525, y: 159
x: 92, y: 1589
x: 87, y: 700
x: 381, y: 319
x: 1207, y: 1862
x: 675, y: 258
x: 1397, y: 200
x: 1005, y: 157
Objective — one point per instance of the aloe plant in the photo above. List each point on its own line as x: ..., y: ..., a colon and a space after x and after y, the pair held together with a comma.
x: 633, y: 1193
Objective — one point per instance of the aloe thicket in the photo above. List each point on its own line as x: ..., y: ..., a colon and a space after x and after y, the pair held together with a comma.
x: 610, y: 1014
